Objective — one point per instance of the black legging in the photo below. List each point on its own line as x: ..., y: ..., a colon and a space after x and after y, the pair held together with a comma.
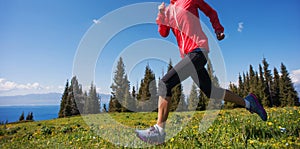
x: 192, y: 65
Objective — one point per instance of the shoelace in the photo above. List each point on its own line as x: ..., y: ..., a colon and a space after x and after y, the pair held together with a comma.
x: 152, y: 130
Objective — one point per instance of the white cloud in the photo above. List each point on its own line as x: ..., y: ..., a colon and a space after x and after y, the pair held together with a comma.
x: 8, y: 88
x: 61, y: 87
x: 240, y: 27
x: 295, y: 76
x: 98, y: 90
x: 96, y: 21
x: 9, y: 85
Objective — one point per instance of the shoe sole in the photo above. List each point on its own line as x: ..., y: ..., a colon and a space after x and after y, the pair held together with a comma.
x: 147, y: 141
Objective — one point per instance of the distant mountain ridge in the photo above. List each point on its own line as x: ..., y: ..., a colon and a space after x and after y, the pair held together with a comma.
x: 39, y: 99
x: 31, y: 99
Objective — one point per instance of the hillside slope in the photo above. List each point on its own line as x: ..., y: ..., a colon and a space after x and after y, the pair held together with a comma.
x: 232, y: 128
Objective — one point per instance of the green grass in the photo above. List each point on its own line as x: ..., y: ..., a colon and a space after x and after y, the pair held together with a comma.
x: 231, y: 129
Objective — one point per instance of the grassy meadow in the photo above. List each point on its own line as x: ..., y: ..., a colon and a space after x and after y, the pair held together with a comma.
x: 230, y: 129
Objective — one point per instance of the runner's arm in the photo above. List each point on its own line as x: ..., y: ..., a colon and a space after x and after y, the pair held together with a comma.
x: 212, y: 14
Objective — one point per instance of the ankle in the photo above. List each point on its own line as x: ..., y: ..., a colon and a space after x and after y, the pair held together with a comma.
x: 161, y: 125
x: 247, y: 104
x: 160, y: 129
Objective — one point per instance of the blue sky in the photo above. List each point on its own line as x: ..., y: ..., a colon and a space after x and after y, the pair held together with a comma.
x: 39, y: 39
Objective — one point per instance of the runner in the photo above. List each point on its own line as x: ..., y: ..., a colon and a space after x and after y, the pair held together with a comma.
x: 182, y: 17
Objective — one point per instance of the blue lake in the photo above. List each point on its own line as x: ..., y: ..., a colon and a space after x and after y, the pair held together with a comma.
x: 12, y: 113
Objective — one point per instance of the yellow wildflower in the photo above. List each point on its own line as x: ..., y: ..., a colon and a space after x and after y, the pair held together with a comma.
x: 172, y: 139
x: 270, y: 123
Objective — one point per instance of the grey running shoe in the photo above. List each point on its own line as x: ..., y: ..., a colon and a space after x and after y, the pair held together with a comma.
x: 256, y: 107
x: 151, y: 135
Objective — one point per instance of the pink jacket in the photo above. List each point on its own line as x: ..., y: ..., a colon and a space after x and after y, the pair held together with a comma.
x: 182, y: 17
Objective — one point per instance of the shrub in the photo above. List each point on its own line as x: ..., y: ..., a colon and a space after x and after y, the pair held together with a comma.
x: 66, y: 129
x: 46, y: 130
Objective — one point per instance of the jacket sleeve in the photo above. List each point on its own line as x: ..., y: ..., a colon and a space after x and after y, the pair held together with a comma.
x: 162, y: 23
x: 212, y: 14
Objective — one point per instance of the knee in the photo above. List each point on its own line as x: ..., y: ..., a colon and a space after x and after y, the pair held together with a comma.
x: 164, y: 89
x: 217, y: 93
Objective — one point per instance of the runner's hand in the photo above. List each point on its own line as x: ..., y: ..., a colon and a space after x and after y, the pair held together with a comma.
x: 220, y: 36
x: 162, y: 7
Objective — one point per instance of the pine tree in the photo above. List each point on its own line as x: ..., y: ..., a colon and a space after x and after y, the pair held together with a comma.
x: 129, y: 102
x: 21, y: 118
x: 64, y: 101
x: 96, y: 101
x: 85, y: 102
x: 203, y: 100
x: 271, y: 90
x: 87, y: 106
x: 153, y: 93
x: 29, y: 117
x: 252, y: 81
x: 256, y: 91
x: 182, y: 105
x: 288, y: 94
x: 74, y: 101
x: 133, y: 96
x: 79, y: 97
x: 240, y: 90
x: 283, y: 87
x: 193, y: 98
x: 73, y: 93
x: 104, y: 108
x: 114, y: 105
x: 247, y: 83
x: 120, y: 89
x: 261, y: 85
x: 92, y: 103
x: 243, y: 84
x: 210, y: 70
x: 133, y: 93
x: 117, y: 91
x: 276, y: 88
x: 148, y: 91
x: 267, y: 101
x: 68, y: 107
